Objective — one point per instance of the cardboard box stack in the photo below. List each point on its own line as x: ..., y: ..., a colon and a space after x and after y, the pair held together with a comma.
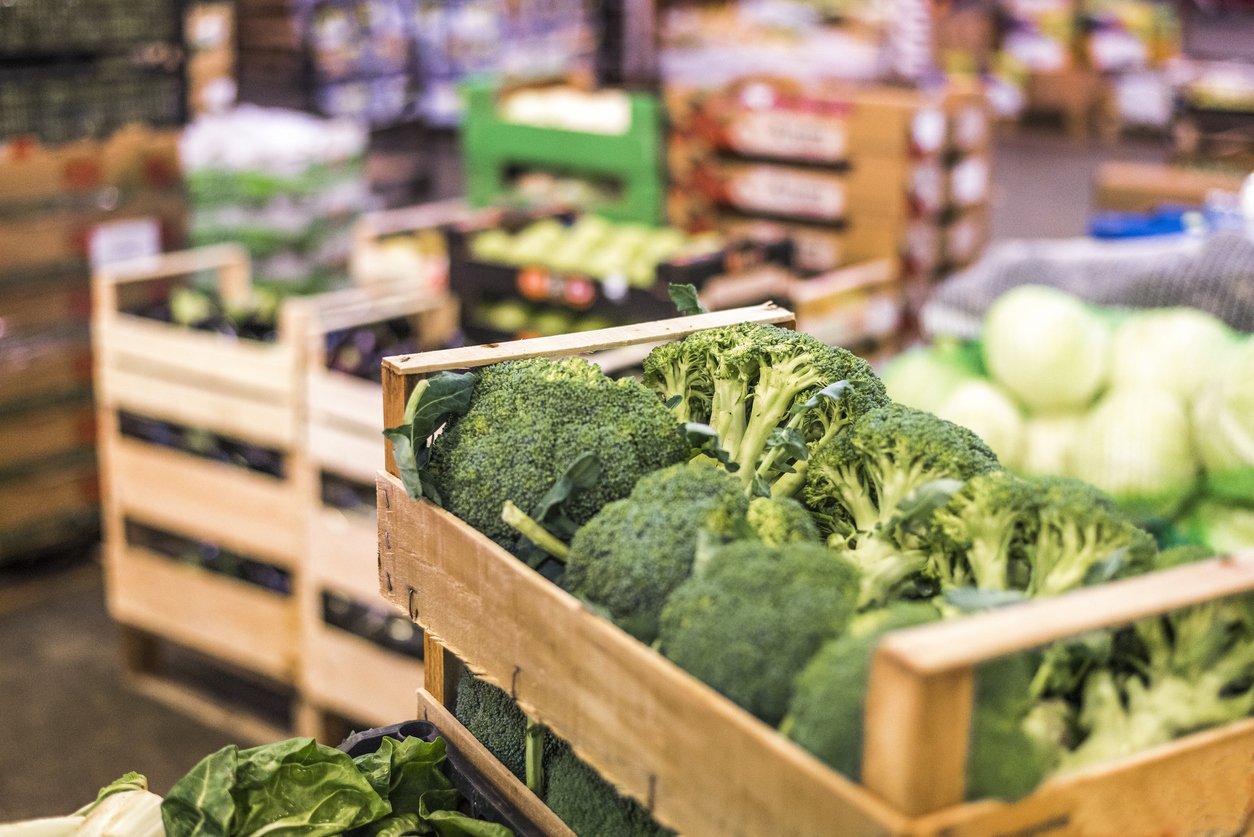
x: 853, y: 174
x: 61, y: 209
x: 210, y: 30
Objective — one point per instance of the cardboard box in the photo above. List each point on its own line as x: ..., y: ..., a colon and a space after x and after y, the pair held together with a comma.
x: 783, y: 120
x: 60, y: 238
x: 1141, y: 187
x: 90, y: 172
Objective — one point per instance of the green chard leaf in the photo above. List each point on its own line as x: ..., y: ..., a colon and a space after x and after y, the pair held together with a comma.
x: 200, y: 804
x: 125, y: 784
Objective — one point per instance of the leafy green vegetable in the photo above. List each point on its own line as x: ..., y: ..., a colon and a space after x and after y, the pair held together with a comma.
x: 686, y: 300
x: 433, y: 402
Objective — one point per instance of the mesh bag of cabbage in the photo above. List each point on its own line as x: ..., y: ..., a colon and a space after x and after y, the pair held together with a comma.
x: 1214, y: 275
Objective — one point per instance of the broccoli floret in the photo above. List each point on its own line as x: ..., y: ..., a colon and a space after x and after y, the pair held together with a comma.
x: 876, y: 486
x: 862, y: 478
x: 495, y: 720
x: 1082, y: 537
x: 753, y: 615
x: 1181, y: 554
x: 529, y: 420
x: 589, y: 805
x: 1185, y: 671
x: 634, y: 552
x: 780, y: 520
x: 987, y: 527
x: 771, y: 394
x: 825, y: 716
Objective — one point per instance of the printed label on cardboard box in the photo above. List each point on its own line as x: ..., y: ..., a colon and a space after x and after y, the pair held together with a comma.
x: 118, y: 241
x: 789, y: 134
x: 971, y: 128
x: 927, y: 131
x: 783, y: 191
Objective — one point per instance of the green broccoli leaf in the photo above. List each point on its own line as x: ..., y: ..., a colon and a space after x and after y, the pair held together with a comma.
x: 704, y: 439
x: 686, y: 300
x: 550, y: 512
x: 791, y: 442
x: 833, y: 391
x: 433, y: 402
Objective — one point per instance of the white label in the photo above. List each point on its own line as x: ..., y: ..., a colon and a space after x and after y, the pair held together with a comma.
x: 789, y: 134
x: 787, y: 192
x: 118, y: 241
x: 928, y: 131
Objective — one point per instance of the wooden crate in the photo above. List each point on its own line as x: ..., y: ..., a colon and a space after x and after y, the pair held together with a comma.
x: 370, y: 265
x: 340, y: 672
x: 708, y: 767
x: 242, y: 389
x: 46, y: 429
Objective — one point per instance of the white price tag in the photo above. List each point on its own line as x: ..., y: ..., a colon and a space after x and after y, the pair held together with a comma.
x: 117, y: 241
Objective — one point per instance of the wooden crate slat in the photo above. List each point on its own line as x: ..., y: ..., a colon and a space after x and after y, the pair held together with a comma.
x: 1202, y: 784
x: 220, y: 616
x: 340, y: 399
x: 181, y: 402
x: 346, y: 453
x: 209, y: 361
x: 717, y: 771
x: 963, y: 643
x: 356, y: 678
x: 342, y: 554
x: 248, y: 512
x: 430, y: 710
x: 584, y: 342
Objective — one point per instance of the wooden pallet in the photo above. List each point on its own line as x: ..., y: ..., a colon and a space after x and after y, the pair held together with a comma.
x: 342, y: 673
x: 707, y: 766
x: 242, y: 389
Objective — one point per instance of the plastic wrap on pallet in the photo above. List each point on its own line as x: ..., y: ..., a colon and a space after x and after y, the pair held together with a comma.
x: 1214, y: 275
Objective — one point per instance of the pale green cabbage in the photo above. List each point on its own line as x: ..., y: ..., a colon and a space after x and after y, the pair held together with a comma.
x: 1046, y: 348
x: 992, y: 415
x: 1169, y: 348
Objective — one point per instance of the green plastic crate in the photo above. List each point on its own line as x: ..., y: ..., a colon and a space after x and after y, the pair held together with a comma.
x: 635, y: 159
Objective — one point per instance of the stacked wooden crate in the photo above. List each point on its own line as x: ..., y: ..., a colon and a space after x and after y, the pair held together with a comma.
x: 344, y: 674
x: 707, y: 767
x: 60, y: 207
x: 255, y: 562
x: 243, y: 390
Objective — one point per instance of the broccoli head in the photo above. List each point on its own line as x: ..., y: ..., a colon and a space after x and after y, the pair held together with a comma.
x: 1081, y: 537
x: 495, y: 720
x: 825, y: 715
x: 771, y: 394
x: 781, y: 520
x: 634, y: 552
x: 753, y: 615
x: 863, y: 477
x: 589, y: 805
x: 1007, y: 757
x: 529, y: 420
x: 875, y: 488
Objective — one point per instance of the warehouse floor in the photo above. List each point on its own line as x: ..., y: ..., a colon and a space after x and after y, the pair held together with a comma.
x: 69, y: 723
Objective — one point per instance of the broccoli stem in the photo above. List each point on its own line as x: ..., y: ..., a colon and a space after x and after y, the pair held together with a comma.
x: 727, y: 417
x: 789, y: 484
x: 884, y: 566
x: 525, y: 525
x: 535, y: 757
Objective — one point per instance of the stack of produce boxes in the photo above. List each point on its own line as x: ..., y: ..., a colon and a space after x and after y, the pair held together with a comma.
x: 60, y: 208
x: 66, y: 74
x: 285, y: 184
x: 851, y: 174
